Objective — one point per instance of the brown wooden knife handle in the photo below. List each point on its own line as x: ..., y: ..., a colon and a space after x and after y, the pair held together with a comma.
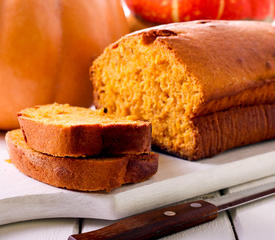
x: 156, y: 223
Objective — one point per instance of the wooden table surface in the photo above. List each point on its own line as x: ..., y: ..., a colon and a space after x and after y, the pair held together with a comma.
x: 250, y: 222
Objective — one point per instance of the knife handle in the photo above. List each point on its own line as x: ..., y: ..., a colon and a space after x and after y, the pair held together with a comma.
x: 155, y: 223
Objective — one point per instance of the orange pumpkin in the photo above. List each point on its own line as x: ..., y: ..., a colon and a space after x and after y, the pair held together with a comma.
x: 165, y: 11
x: 46, y: 48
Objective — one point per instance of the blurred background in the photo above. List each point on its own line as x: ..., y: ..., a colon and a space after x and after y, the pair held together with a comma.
x: 47, y: 47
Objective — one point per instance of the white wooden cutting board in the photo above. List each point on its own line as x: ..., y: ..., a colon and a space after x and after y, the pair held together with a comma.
x: 22, y: 198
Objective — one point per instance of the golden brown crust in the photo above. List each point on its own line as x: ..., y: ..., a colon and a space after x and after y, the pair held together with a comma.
x: 83, y: 174
x: 61, y: 141
x: 238, y: 126
x: 262, y: 94
x: 86, y: 140
x: 235, y: 127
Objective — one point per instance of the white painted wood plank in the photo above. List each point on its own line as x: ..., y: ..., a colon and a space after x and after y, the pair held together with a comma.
x: 256, y: 220
x: 50, y: 229
x: 23, y: 198
x: 217, y: 229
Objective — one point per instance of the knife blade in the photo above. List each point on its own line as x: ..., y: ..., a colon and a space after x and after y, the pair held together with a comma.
x: 174, y: 218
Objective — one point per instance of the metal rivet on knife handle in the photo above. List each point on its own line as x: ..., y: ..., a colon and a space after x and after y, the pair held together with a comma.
x: 195, y: 205
x: 169, y: 213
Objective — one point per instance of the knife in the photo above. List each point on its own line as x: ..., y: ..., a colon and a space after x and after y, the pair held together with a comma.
x: 174, y: 218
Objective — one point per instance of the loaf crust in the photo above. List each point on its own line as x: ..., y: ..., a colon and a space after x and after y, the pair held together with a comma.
x: 83, y: 174
x: 224, y: 130
x: 86, y: 139
x: 235, y: 127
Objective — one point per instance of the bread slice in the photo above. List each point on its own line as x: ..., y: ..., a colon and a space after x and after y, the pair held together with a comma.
x: 63, y: 130
x: 180, y: 76
x: 83, y: 174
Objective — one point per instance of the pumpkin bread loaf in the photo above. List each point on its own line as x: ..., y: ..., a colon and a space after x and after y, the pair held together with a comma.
x: 84, y: 174
x: 64, y: 130
x: 206, y: 86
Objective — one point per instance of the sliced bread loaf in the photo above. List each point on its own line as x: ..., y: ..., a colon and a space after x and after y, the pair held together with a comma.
x: 206, y: 86
x: 64, y: 130
x: 84, y: 174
